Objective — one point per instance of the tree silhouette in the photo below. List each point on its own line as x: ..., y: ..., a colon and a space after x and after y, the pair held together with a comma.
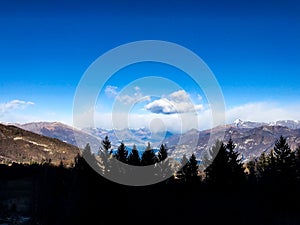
x: 88, y: 156
x: 218, y: 169
x: 262, y: 165
x: 235, y: 164
x: 106, y: 144
x: 163, y: 166
x: 104, y: 154
x: 183, y: 168
x: 285, y: 160
x: 134, y: 158
x: 252, y: 172
x: 163, y: 153
x: 226, y: 168
x: 282, y: 150
x: 191, y: 171
x: 148, y: 156
x: 122, y: 153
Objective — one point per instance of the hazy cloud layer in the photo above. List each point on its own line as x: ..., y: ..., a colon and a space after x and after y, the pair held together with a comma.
x: 257, y: 112
x: 14, y: 105
x: 111, y: 91
x: 263, y: 112
x: 137, y: 96
x: 177, y: 102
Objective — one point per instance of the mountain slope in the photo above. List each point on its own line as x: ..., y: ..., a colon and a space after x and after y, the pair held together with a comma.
x: 63, y: 132
x: 18, y: 145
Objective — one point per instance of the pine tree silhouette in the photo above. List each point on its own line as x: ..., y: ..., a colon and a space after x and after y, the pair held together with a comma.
x: 106, y: 145
x: 183, y: 168
x: 226, y: 168
x: 122, y: 153
x: 134, y: 158
x: 89, y: 157
x: 163, y: 153
x: 262, y: 165
x: 217, y: 171
x: 105, y: 154
x: 148, y: 156
x: 285, y: 161
x: 235, y: 164
x: 191, y: 171
x: 163, y: 166
x: 252, y: 172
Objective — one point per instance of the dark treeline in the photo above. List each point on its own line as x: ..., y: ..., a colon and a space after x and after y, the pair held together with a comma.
x: 224, y: 190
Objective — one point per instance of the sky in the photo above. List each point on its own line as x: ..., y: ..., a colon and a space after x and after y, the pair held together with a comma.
x: 251, y: 47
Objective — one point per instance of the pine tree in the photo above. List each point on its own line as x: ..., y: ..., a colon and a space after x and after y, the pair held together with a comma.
x: 285, y: 160
x: 235, y: 164
x: 148, y: 156
x: 88, y: 156
x: 217, y: 171
x: 191, y: 173
x: 122, y: 153
x: 282, y: 150
x: 134, y: 158
x: 163, y: 153
x: 163, y: 166
x: 252, y: 173
x: 104, y: 154
x: 180, y: 174
x: 262, y: 165
x: 106, y: 145
x: 233, y: 155
x: 226, y: 168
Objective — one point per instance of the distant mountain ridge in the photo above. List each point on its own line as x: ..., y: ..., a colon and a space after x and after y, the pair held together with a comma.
x: 292, y: 124
x: 251, y: 138
x: 250, y: 142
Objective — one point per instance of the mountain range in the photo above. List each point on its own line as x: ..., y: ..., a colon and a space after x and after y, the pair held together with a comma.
x: 251, y: 138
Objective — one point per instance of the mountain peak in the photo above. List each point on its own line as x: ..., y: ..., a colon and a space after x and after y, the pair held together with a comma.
x: 238, y: 121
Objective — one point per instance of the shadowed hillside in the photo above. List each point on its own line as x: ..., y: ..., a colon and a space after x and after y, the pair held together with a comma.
x: 18, y: 145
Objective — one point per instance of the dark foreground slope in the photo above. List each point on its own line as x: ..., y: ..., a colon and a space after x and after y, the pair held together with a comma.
x: 44, y: 194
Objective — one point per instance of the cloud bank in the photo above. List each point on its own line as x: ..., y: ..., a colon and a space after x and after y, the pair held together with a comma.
x: 111, y: 91
x: 137, y: 96
x: 14, y: 105
x: 176, y: 102
x: 257, y: 112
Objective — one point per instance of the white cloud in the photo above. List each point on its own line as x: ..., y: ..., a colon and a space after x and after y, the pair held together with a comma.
x: 131, y: 99
x: 176, y: 102
x: 137, y: 96
x: 111, y: 91
x: 199, y: 97
x: 15, y: 111
x: 14, y: 105
x: 263, y: 112
x: 137, y: 88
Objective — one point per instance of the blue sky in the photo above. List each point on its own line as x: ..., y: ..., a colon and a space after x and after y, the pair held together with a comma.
x: 252, y: 47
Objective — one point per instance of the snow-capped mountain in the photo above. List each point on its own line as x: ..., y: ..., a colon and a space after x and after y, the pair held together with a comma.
x: 292, y: 124
x: 247, y: 124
